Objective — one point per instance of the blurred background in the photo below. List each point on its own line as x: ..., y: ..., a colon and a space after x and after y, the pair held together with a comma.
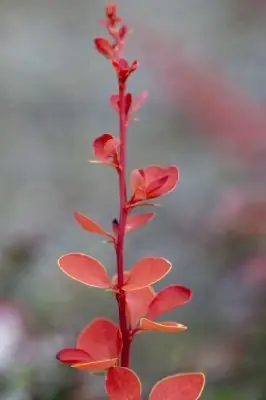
x: 204, y: 65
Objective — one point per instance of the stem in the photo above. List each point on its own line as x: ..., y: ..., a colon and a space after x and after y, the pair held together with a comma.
x: 125, y: 355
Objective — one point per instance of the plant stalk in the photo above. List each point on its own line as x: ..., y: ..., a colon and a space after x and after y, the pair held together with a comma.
x: 125, y: 355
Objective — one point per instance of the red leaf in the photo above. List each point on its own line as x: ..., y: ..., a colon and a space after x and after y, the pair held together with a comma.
x: 122, y: 384
x: 101, y: 339
x: 89, y: 225
x: 106, y: 149
x: 123, y: 32
x: 148, y: 325
x: 138, y: 101
x: 137, y: 304
x: 146, y: 272
x: 73, y: 356
x: 128, y: 101
x: 96, y: 365
x: 135, y: 221
x: 153, y: 181
x: 84, y: 269
x: 104, y: 47
x: 179, y: 387
x: 168, y: 298
x: 114, y: 100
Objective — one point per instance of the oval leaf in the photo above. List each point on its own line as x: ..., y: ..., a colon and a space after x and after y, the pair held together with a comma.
x: 136, y: 221
x: 89, y: 225
x: 101, y: 339
x: 167, y: 299
x: 146, y: 272
x: 179, y: 387
x: 138, y: 303
x: 73, y: 356
x: 122, y: 384
x: 148, y: 325
x: 84, y: 269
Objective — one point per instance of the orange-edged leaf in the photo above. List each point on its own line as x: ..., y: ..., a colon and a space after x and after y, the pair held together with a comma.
x: 136, y: 221
x: 122, y: 384
x: 73, y: 356
x: 96, y: 365
x: 148, y: 325
x: 84, y: 269
x: 101, y: 339
x: 179, y: 387
x: 146, y: 272
x: 168, y: 298
x: 89, y: 225
x: 137, y: 304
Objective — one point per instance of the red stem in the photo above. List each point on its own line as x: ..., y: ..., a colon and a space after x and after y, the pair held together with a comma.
x: 125, y: 355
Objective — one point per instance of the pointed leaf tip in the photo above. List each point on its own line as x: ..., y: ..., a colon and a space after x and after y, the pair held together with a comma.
x: 179, y: 387
x: 122, y: 384
x: 167, y: 299
x: 84, y: 269
x: 89, y: 225
x: 146, y: 272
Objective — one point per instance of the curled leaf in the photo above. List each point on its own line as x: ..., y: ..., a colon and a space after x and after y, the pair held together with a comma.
x: 152, y: 181
x: 96, y: 365
x: 146, y: 272
x: 84, y: 269
x: 106, y: 149
x: 148, y: 325
x: 122, y: 384
x: 179, y: 387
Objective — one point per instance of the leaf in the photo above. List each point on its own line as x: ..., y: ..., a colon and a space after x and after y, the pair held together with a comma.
x: 96, y: 365
x: 179, y: 387
x: 84, y: 269
x: 101, y: 339
x: 153, y: 181
x: 146, y: 272
x: 137, y: 304
x: 89, y: 225
x: 122, y: 384
x: 73, y: 356
x: 167, y: 299
x: 106, y: 148
x: 135, y: 221
x: 114, y: 101
x: 148, y: 325
x: 104, y: 47
x: 138, y: 101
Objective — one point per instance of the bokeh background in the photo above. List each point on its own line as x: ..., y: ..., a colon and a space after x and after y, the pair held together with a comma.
x: 204, y: 65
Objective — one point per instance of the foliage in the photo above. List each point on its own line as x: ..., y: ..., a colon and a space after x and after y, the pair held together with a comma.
x: 103, y: 345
